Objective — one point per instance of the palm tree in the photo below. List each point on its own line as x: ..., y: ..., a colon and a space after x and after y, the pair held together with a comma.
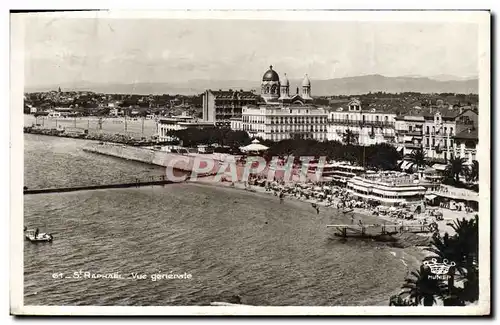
x: 462, y: 249
x: 423, y: 288
x: 397, y: 300
x: 349, y: 137
x: 417, y: 156
x: 456, y: 168
x: 473, y: 173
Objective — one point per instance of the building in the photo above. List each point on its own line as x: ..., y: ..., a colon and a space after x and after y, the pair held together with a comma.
x: 434, y: 130
x: 439, y: 130
x: 166, y: 124
x: 466, y: 139
x: 366, y: 127
x: 275, y: 92
x: 220, y: 107
x: 281, y: 115
x: 276, y: 123
x: 388, y: 188
x: 466, y: 144
x: 409, y: 133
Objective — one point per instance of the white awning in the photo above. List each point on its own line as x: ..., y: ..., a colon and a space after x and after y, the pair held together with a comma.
x: 440, y: 167
x: 405, y: 165
x: 407, y: 138
x: 430, y: 196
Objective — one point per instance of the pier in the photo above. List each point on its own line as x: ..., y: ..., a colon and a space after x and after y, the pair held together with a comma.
x: 151, y: 181
x: 377, y: 231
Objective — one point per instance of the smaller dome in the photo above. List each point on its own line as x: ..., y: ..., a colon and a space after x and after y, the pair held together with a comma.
x: 285, y: 81
x: 306, y: 82
x: 270, y: 75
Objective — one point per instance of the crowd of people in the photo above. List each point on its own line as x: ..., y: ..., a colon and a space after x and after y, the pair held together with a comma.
x: 334, y: 195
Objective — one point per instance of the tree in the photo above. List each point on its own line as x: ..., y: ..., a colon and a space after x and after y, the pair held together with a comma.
x: 417, y: 156
x: 397, y: 300
x: 382, y: 156
x: 462, y: 249
x: 422, y: 288
x: 456, y: 168
x: 349, y: 137
x: 472, y: 174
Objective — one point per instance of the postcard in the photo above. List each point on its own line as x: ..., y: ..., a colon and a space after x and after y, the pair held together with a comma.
x: 250, y: 163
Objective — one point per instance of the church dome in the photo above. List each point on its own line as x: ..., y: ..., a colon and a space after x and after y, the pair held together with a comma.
x: 270, y: 75
x: 285, y: 81
x: 306, y: 82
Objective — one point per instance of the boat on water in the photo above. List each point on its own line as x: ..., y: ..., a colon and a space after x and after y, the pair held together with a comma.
x: 222, y: 303
x: 36, y: 237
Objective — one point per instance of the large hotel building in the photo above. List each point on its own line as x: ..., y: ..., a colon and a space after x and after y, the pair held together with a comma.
x: 222, y: 105
x: 281, y: 115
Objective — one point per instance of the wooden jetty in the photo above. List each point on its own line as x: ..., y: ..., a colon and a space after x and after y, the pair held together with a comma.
x: 377, y: 231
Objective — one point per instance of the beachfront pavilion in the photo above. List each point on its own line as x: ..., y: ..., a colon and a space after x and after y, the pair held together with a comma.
x: 254, y: 148
x: 453, y: 198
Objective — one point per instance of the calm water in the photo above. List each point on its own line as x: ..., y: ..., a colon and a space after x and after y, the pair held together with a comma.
x: 232, y: 242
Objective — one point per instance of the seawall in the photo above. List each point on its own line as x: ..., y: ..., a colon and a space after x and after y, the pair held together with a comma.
x: 156, y: 157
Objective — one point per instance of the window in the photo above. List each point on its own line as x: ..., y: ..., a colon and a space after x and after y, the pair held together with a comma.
x: 410, y: 128
x: 451, y: 131
x: 433, y: 129
x: 445, y: 130
x: 427, y: 141
x: 433, y: 142
x: 376, y: 118
x: 427, y: 130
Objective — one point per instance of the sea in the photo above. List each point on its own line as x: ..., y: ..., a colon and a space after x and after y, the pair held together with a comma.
x: 185, y: 244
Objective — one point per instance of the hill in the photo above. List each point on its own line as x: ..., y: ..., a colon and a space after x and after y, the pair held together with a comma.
x: 339, y: 86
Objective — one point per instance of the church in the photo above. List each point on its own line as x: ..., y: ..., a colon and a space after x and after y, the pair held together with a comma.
x: 281, y: 115
x: 276, y: 93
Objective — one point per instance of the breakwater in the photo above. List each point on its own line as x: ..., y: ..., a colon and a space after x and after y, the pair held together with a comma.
x: 98, y: 187
x: 183, y: 162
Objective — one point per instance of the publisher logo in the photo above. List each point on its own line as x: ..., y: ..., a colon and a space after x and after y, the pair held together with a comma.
x: 440, y: 271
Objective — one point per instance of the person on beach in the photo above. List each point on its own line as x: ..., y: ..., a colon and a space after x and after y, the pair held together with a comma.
x: 352, y: 219
x: 281, y: 197
x: 316, y: 207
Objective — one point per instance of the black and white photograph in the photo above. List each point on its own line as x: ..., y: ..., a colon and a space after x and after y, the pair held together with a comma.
x: 250, y: 163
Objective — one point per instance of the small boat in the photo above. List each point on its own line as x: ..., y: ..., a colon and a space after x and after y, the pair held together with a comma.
x: 348, y: 210
x: 40, y: 237
x: 222, y: 304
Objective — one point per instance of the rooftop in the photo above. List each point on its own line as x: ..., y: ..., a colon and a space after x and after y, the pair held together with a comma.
x: 393, y: 178
x: 229, y: 94
x: 468, y: 134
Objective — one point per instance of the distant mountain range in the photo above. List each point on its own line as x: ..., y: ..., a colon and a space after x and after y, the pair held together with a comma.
x: 339, y: 86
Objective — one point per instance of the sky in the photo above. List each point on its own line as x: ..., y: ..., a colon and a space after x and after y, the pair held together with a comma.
x: 65, y: 50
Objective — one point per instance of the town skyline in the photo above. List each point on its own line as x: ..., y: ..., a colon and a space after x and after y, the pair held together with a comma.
x: 69, y: 50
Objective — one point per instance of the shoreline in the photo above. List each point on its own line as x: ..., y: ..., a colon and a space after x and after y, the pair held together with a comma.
x: 410, y: 256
